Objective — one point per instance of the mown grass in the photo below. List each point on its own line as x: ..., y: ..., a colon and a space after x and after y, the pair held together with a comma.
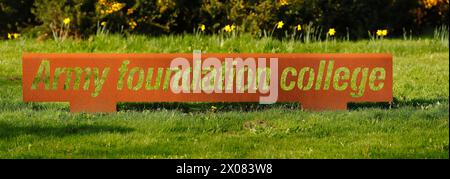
x: 415, y: 126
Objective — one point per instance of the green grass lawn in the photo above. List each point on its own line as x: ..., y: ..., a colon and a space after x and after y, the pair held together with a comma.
x: 415, y: 126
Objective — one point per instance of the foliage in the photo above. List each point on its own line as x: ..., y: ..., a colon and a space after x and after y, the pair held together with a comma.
x: 80, y: 12
x: 350, y: 18
x: 15, y: 16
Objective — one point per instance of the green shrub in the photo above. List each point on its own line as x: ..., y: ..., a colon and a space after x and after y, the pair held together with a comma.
x: 156, y: 17
x: 352, y: 18
x: 15, y: 16
x: 51, y: 14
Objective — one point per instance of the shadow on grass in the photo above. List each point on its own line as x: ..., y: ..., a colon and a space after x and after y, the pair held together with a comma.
x: 254, y: 106
x: 9, y: 130
x: 205, y: 107
x: 399, y: 103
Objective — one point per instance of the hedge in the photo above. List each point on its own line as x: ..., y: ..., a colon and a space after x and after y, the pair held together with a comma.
x: 258, y: 17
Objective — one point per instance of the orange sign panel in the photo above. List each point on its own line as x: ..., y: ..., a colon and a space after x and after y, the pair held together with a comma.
x: 96, y: 82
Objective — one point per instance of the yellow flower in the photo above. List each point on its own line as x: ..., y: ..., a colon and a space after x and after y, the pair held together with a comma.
x: 103, y: 23
x: 299, y: 27
x: 117, y: 6
x: 213, y: 108
x: 430, y: 3
x: 130, y: 11
x: 132, y: 24
x: 202, y: 27
x: 9, y: 36
x: 379, y: 32
x: 331, y: 31
x: 280, y: 25
x: 109, y: 7
x: 283, y: 2
x: 227, y: 28
x: 16, y: 35
x: 384, y: 32
x: 66, y: 21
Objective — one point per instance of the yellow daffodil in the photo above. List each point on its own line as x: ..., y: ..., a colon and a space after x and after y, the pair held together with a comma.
x: 66, y: 21
x: 331, y: 32
x: 103, y: 23
x: 233, y: 27
x: 283, y: 2
x: 384, y: 32
x: 299, y: 27
x: 16, y: 35
x: 9, y: 36
x: 228, y: 28
x: 379, y: 32
x: 280, y: 25
x: 202, y: 27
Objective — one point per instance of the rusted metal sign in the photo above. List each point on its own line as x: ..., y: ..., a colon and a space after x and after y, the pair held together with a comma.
x: 96, y: 82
